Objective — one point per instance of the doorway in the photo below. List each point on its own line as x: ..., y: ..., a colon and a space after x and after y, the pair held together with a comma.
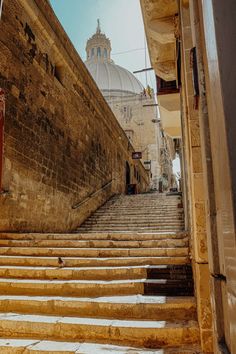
x: 127, y: 169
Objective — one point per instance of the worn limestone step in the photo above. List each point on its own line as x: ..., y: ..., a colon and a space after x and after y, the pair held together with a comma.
x: 90, y: 262
x: 139, y: 213
x: 148, y: 201
x: 134, y: 218
x: 151, y: 334
x: 96, y: 273
x: 113, y: 228
x: 34, y: 346
x: 132, y: 226
x: 141, y: 206
x: 94, y: 252
x: 141, y: 210
x: 95, y: 288
x: 116, y: 307
x: 144, y: 197
x: 137, y: 223
x: 125, y: 236
x: 97, y: 228
x: 95, y: 243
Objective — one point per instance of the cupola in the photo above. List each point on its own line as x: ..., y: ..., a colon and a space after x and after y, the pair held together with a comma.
x: 99, y: 47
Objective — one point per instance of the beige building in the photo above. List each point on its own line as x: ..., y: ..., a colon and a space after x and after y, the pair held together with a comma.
x: 192, y: 48
x: 134, y: 107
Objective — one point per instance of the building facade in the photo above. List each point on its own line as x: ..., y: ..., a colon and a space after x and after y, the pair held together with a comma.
x: 192, y: 47
x: 132, y: 104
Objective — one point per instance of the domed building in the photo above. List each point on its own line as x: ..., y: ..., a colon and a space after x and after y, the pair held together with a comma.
x: 112, y: 79
x: 129, y: 101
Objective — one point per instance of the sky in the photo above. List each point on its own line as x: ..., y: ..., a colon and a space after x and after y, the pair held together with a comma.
x: 121, y: 21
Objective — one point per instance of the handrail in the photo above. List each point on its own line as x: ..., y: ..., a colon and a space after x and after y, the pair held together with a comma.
x: 76, y: 206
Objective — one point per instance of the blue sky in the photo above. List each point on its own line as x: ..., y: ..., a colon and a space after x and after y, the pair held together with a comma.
x: 121, y: 21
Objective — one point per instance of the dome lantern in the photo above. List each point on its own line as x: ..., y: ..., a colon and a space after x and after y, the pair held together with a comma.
x: 111, y: 79
x: 98, y: 47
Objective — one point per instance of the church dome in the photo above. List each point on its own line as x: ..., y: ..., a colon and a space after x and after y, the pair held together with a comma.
x: 111, y: 79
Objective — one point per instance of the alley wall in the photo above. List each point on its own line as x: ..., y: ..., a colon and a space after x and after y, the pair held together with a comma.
x: 61, y: 140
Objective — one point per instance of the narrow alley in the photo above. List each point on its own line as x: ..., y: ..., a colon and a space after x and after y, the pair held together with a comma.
x: 117, y: 170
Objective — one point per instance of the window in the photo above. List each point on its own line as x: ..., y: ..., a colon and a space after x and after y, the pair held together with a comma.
x: 99, y: 52
x: 58, y: 73
x: 105, y: 53
x: 92, y: 52
x: 127, y: 113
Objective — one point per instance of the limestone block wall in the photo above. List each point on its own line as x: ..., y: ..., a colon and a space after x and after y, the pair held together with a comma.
x: 196, y: 192
x: 61, y: 140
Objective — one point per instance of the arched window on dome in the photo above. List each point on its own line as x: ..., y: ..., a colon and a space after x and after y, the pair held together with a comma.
x: 105, y: 53
x: 99, y: 52
x: 92, y: 52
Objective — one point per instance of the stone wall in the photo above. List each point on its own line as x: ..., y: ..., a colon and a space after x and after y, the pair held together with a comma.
x: 61, y: 140
x: 196, y: 192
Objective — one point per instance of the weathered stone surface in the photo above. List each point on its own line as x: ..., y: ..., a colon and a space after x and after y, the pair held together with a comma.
x: 194, y: 132
x: 202, y: 283
x: 114, y: 300
x: 196, y: 160
x: 198, y: 187
x: 62, y: 141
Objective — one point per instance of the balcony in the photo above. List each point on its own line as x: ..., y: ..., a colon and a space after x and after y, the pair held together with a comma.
x: 166, y: 87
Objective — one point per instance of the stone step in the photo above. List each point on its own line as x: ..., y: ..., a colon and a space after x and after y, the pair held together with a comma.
x: 127, y: 228
x: 138, y: 333
x: 117, y: 307
x: 126, y: 217
x: 159, y: 212
x: 95, y: 243
x: 144, y: 210
x: 34, y: 346
x: 95, y: 288
x: 98, y: 228
x: 137, y: 220
x: 141, y: 216
x: 96, y: 273
x: 137, y: 223
x: 94, y: 252
x: 90, y: 262
x: 125, y: 236
x: 135, y: 203
x: 143, y: 204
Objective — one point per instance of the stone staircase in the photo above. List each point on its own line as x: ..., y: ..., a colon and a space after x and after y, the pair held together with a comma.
x: 101, y: 291
x: 138, y: 213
